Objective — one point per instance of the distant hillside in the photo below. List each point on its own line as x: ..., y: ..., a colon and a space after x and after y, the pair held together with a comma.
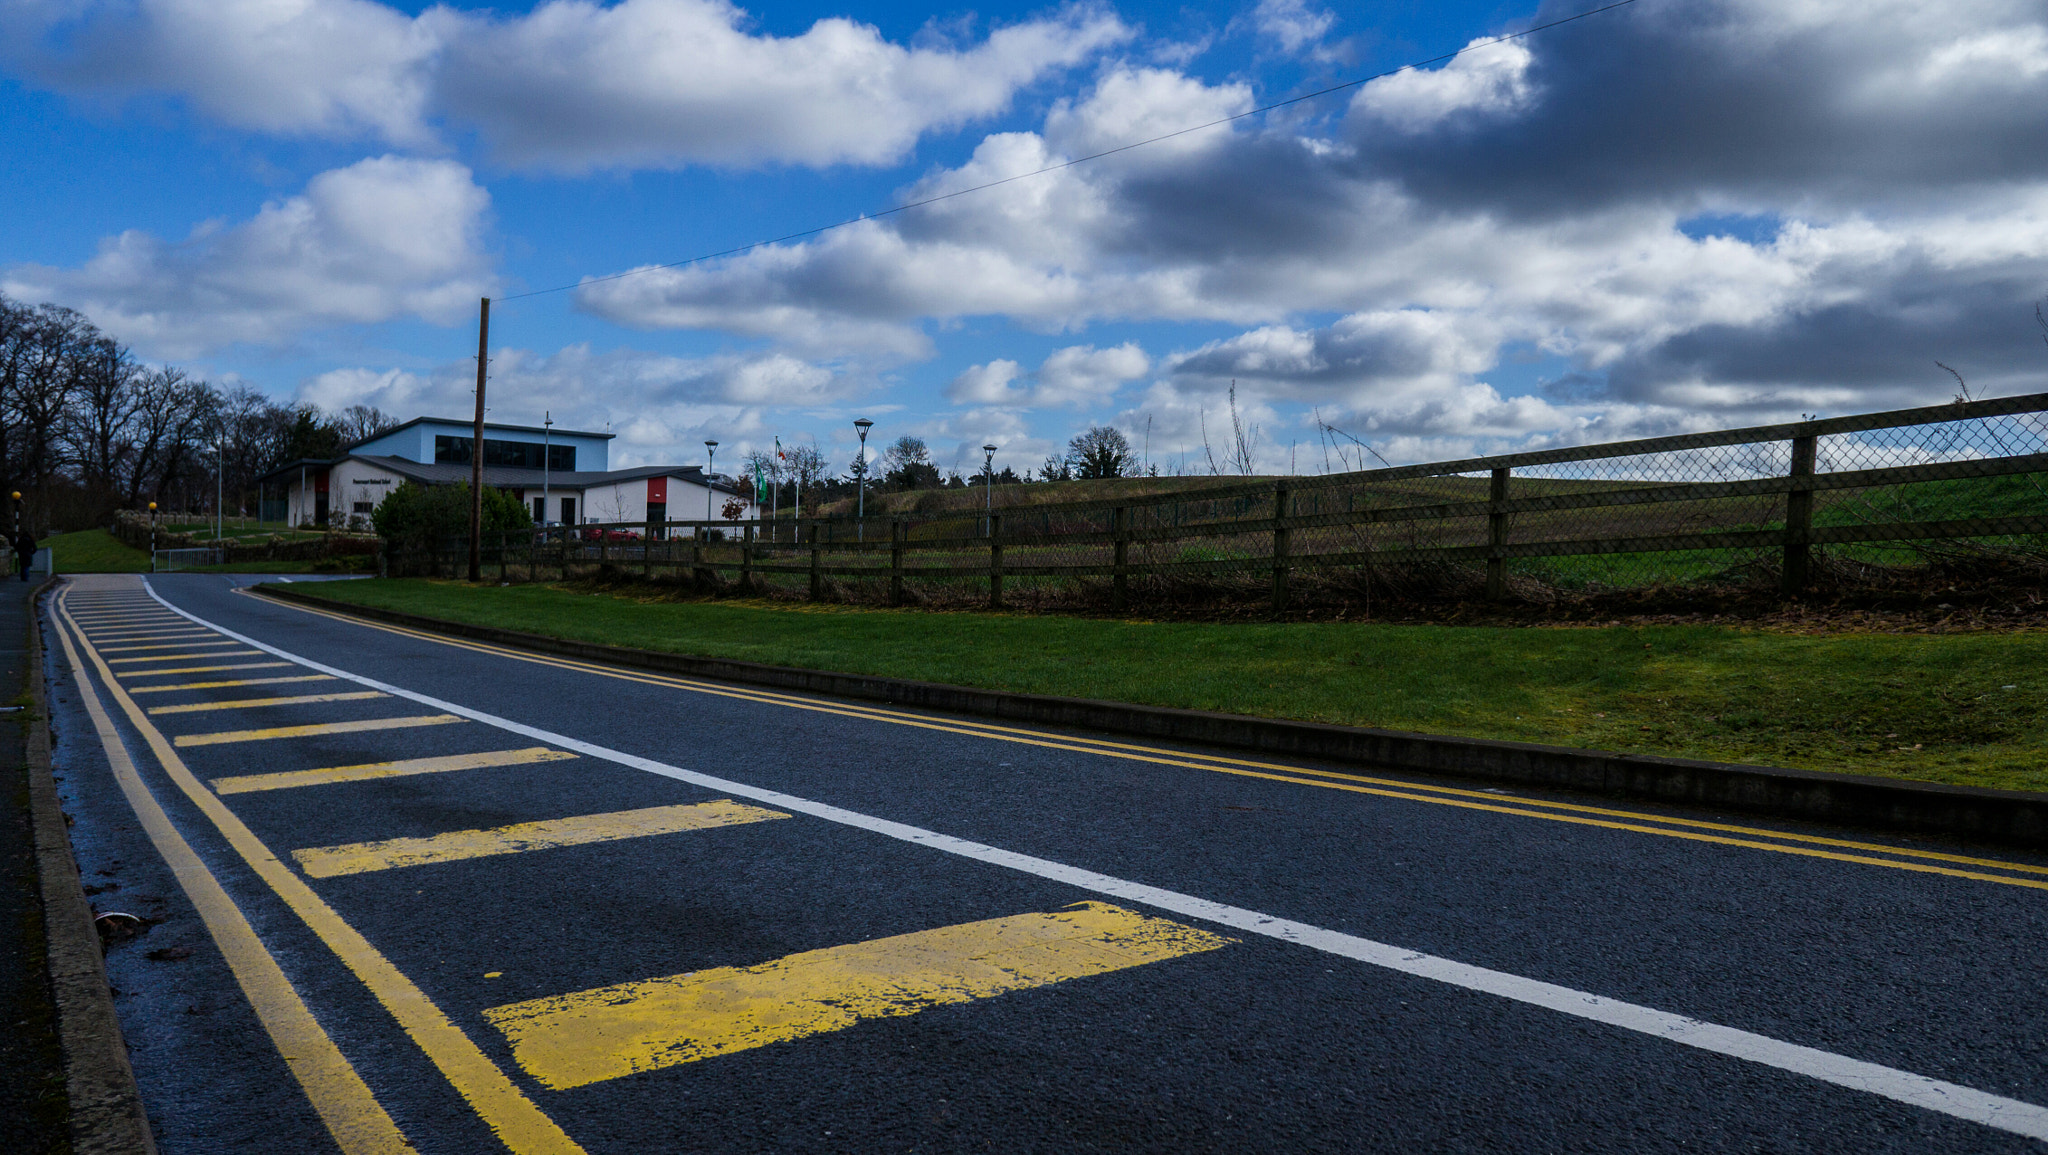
x: 1012, y: 496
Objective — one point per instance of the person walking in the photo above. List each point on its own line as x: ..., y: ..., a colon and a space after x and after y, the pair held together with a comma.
x: 24, y: 550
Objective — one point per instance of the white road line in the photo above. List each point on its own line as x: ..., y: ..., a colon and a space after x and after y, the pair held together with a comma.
x: 2014, y: 1115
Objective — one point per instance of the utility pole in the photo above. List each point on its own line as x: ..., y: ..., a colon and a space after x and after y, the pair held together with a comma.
x: 547, y: 453
x: 476, y: 448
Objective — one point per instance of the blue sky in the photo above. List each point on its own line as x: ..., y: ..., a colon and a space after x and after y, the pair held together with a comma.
x: 1671, y: 216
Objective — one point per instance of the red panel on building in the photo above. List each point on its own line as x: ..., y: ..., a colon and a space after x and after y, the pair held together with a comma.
x: 657, y: 489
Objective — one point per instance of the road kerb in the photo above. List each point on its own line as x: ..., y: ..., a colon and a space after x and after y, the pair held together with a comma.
x: 106, y: 1106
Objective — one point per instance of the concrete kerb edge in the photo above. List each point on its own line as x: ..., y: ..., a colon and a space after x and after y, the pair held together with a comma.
x: 105, y: 1104
x: 2008, y: 817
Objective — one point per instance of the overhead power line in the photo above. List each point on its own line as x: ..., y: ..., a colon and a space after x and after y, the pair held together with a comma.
x: 1080, y: 160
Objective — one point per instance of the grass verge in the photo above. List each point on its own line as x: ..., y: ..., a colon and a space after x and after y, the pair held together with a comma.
x: 1959, y: 708
x: 95, y: 551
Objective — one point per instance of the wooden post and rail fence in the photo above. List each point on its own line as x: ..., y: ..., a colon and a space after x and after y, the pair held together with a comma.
x: 1761, y: 490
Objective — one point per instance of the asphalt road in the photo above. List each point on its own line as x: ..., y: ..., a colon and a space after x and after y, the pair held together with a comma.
x: 455, y: 898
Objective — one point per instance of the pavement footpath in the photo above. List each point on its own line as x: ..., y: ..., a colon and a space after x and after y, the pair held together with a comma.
x: 32, y: 1099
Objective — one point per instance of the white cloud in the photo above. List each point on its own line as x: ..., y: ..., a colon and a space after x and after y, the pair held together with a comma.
x: 570, y: 86
x: 1489, y: 79
x: 1133, y: 104
x: 1079, y: 377
x: 658, y: 82
x: 293, y: 67
x: 1292, y: 23
x: 660, y: 406
x: 383, y: 238
x: 1534, y: 195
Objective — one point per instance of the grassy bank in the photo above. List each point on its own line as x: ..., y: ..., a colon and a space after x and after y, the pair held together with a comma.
x: 1961, y: 708
x: 95, y: 551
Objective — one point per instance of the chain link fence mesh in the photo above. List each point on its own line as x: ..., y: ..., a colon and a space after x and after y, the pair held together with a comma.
x: 1874, y: 499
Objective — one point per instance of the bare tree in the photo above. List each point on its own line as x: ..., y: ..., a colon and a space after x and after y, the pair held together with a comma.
x: 359, y: 423
x: 1244, y: 441
x: 96, y: 427
x: 176, y: 415
x: 40, y: 352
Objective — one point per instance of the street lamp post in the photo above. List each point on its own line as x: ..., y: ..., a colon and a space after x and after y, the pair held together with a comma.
x: 220, y: 489
x: 152, y: 531
x: 710, y: 454
x: 988, y: 484
x: 547, y: 453
x: 860, y: 480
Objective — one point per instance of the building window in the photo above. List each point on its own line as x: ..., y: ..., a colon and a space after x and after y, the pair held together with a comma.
x: 450, y: 450
x: 365, y: 507
x: 540, y: 511
x: 568, y: 511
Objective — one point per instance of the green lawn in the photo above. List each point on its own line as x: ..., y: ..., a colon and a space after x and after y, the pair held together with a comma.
x: 97, y: 551
x: 1961, y: 708
x: 94, y: 551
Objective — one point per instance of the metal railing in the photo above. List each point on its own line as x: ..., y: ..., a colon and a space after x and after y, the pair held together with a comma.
x: 1763, y: 505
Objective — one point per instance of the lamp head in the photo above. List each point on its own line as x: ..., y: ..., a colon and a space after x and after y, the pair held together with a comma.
x: 863, y: 425
x: 152, y: 507
x: 989, y: 449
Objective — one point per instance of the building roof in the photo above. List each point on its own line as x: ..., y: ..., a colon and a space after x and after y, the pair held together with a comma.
x: 471, y: 425
x: 509, y: 477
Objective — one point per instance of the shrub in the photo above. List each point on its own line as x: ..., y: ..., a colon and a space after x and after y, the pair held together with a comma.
x: 417, y: 516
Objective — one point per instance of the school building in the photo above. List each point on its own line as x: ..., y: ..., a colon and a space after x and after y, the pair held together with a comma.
x: 559, y: 474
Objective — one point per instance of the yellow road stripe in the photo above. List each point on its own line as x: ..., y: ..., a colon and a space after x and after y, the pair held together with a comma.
x: 520, y: 1125
x: 183, y: 657
x: 577, y: 1039
x: 456, y: 845
x: 232, y: 682
x: 360, y: 1125
x: 251, y: 703
x: 315, y: 729
x: 371, y: 770
x: 167, y: 646
x: 152, y: 633
x: 1413, y: 791
x: 199, y: 669
x: 114, y: 644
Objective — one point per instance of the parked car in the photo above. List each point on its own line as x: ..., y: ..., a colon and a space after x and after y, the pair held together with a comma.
x: 599, y: 533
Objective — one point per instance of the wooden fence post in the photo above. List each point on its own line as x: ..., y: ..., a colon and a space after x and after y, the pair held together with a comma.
x: 995, y: 561
x: 817, y: 579
x: 647, y: 550
x: 1799, y: 517
x: 747, y: 560
x: 1497, y: 538
x: 897, y: 530
x: 696, y: 554
x: 1282, y: 507
x: 1120, y: 584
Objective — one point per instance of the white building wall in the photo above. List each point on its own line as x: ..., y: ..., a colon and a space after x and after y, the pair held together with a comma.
x: 686, y: 502
x: 617, y: 501
x: 354, y: 483
x: 626, y: 501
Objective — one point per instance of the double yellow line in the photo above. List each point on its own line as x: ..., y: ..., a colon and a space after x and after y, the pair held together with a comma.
x: 1579, y: 814
x: 358, y: 1123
